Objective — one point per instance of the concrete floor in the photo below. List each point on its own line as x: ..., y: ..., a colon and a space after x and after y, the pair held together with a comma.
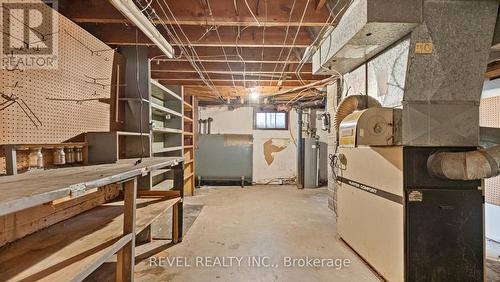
x: 270, y: 222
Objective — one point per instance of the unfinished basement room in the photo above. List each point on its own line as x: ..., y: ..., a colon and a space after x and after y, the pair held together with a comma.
x: 250, y: 140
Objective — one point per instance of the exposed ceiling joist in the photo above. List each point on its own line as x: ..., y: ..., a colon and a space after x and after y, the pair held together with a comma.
x: 321, y: 4
x: 190, y: 12
x: 235, y: 75
x: 176, y: 66
x: 272, y: 54
x: 198, y: 36
x: 493, y: 70
x: 229, y: 82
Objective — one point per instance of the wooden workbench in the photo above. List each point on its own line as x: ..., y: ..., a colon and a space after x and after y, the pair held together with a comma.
x: 74, y: 248
x: 18, y: 192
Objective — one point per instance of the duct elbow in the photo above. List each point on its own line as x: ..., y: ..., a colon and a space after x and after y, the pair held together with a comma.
x: 351, y: 104
x: 472, y: 165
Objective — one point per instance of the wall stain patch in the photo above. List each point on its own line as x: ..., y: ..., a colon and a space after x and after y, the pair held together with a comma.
x: 273, y: 146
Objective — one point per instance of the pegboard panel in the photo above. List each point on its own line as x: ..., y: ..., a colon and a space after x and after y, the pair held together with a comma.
x: 490, y: 117
x: 82, y: 58
x: 490, y: 112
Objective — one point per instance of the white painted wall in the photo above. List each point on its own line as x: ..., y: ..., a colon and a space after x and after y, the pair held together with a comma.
x: 240, y: 121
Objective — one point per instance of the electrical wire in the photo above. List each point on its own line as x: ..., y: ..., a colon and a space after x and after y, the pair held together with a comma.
x: 253, y: 15
x: 321, y: 35
x: 175, y: 36
x: 263, y: 38
x: 295, y: 38
x: 286, y: 36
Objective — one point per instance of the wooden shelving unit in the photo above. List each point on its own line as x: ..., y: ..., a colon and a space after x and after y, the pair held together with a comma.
x: 189, y: 105
x: 167, y: 128
x: 74, y: 248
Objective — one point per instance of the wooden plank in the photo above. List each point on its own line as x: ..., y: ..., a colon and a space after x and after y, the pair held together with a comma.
x: 247, y: 54
x: 158, y: 193
x: 194, y: 13
x: 19, y: 224
x: 69, y: 248
x: 34, y: 188
x: 126, y: 256
x: 117, y: 34
x: 223, y: 67
x: 49, y: 146
x: 321, y: 4
x: 238, y: 82
x: 493, y: 70
x: 175, y: 224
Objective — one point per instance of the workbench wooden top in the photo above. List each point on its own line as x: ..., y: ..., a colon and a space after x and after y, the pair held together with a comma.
x: 22, y: 191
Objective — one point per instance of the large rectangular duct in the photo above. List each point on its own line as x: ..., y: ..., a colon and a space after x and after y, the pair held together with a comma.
x: 367, y: 27
x: 496, y: 38
x: 447, y: 60
x: 434, y: 73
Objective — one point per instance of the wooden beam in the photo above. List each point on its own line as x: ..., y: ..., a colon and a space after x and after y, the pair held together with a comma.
x: 198, y: 36
x: 321, y: 4
x: 126, y: 256
x: 230, y: 91
x: 493, y: 70
x: 236, y: 76
x: 191, y: 12
x: 176, y: 66
x: 229, y: 82
x: 216, y: 54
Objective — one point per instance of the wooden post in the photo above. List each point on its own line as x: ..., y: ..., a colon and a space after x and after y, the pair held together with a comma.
x: 178, y: 208
x: 126, y: 256
x: 175, y: 223
x: 10, y: 159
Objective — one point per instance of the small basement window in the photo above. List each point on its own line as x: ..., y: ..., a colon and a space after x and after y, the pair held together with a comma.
x: 270, y: 120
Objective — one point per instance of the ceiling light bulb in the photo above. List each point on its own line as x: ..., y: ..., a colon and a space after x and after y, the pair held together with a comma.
x: 254, y: 95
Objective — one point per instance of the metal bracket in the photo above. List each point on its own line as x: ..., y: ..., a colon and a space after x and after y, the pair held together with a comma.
x: 77, y: 190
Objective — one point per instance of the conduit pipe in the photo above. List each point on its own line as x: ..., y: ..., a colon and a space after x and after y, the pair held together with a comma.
x: 353, y: 103
x: 472, y: 165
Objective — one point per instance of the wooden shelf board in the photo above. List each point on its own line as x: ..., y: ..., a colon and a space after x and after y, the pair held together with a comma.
x: 47, y: 146
x: 72, y: 249
x: 188, y: 161
x: 31, y: 189
x: 188, y: 146
x: 166, y: 130
x: 162, y: 111
x: 167, y: 149
x: 133, y: 99
x: 188, y: 133
x: 159, y: 171
x: 128, y: 133
x: 165, y: 89
x: 164, y: 185
x: 187, y: 105
x: 188, y: 119
x: 188, y: 176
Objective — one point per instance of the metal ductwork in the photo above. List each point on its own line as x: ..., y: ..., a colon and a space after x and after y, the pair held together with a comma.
x: 353, y: 103
x: 472, y: 165
x: 367, y: 27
